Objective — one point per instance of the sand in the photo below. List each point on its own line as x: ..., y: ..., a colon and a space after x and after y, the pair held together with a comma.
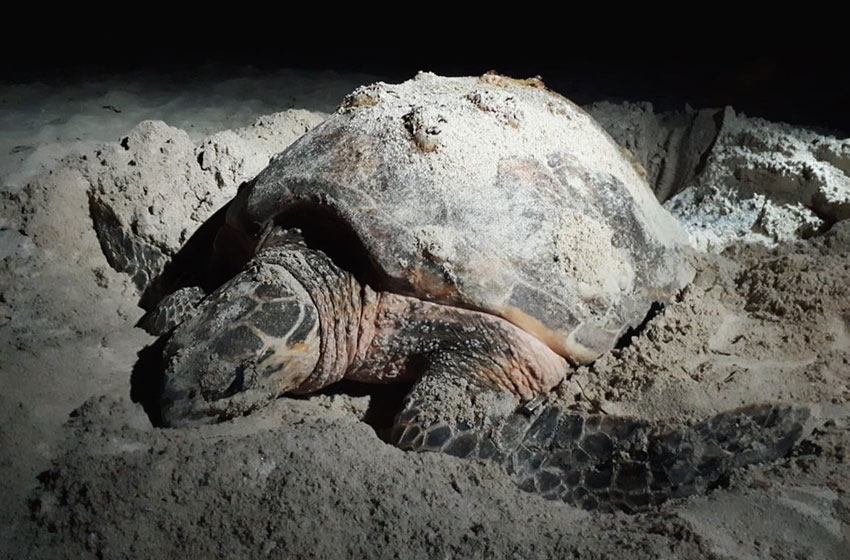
x: 84, y: 473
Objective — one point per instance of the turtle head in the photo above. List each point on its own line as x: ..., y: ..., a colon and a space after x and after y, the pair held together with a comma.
x: 286, y: 323
x: 251, y: 340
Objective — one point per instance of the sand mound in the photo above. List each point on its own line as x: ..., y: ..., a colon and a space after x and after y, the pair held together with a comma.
x: 733, y: 179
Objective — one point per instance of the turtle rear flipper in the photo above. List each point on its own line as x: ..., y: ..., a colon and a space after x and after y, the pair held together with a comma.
x: 697, y: 456
x: 619, y: 463
x: 597, y: 462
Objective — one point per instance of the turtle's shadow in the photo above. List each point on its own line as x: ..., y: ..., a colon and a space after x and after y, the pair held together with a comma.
x: 385, y: 401
x: 147, y: 379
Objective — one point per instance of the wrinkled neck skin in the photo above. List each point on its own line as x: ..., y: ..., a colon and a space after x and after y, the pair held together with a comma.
x: 402, y: 338
x: 339, y: 301
x: 377, y: 337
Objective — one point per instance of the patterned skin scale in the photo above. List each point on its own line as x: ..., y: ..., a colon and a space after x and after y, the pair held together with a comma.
x: 172, y: 310
x: 609, y: 463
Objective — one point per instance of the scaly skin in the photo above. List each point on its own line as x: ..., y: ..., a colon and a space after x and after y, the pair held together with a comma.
x: 602, y: 462
x: 409, y: 335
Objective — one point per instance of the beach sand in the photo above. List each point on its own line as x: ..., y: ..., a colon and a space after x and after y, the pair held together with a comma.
x: 84, y: 473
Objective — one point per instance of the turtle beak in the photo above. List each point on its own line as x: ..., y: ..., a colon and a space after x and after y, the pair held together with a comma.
x: 192, y: 396
x: 182, y: 406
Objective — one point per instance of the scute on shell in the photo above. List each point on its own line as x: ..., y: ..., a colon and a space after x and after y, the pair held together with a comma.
x: 487, y: 193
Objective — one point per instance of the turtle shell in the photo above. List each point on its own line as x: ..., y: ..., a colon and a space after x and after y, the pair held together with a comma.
x: 487, y: 193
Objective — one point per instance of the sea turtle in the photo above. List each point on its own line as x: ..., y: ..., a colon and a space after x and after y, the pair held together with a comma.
x: 479, y: 236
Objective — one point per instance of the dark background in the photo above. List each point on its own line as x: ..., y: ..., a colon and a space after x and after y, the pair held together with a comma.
x: 808, y: 87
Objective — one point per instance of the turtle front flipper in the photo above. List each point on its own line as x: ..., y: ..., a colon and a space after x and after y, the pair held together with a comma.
x: 284, y: 324
x: 174, y: 309
x: 596, y: 462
